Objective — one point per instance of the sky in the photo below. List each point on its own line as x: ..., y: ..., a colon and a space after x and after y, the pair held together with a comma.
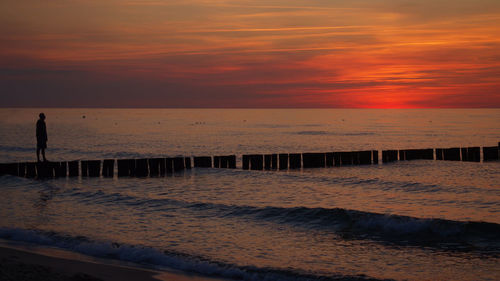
x: 250, y: 54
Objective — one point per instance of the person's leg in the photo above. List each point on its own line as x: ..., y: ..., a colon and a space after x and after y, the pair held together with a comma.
x: 38, y: 154
x: 43, y: 154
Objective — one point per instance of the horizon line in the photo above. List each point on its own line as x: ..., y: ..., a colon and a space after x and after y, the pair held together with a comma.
x: 236, y: 107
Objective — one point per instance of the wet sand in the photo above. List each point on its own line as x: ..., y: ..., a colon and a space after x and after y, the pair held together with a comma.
x: 17, y: 264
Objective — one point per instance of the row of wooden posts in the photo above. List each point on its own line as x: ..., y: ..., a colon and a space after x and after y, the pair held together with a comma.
x: 164, y: 166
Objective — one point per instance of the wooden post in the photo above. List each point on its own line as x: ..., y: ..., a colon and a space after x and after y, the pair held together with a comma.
x: 216, y: 162
x: 283, y: 159
x: 451, y: 154
x: 30, y: 170
x: 267, y: 162
x: 346, y: 158
x: 4, y: 169
x: 55, y: 168
x: 329, y: 159
x: 490, y: 153
x: 73, y: 168
x: 355, y: 157
x: 84, y: 168
x: 123, y: 167
x: 61, y: 169
x: 439, y: 154
x: 313, y: 160
x: 274, y: 161
x: 21, y: 168
x: 9, y: 169
x: 375, y: 156
x: 402, y: 155
x: 169, y: 165
x: 154, y: 167
x: 389, y: 156
x: 141, y: 168
x: 231, y: 162
x: 337, y: 159
x: 94, y: 168
x: 411, y: 154
x: 227, y: 160
x: 417, y: 154
x: 245, y: 159
x: 203, y: 162
x: 308, y: 160
x: 43, y: 170
x: 295, y: 160
x: 46, y: 169
x: 420, y: 153
x: 14, y: 169
x: 394, y: 155
x: 256, y: 162
x: 428, y: 154
x: 365, y: 157
x: 162, y: 167
x: 131, y: 167
x: 473, y: 154
x: 178, y: 164
x: 223, y: 161
x: 187, y: 162
x: 108, y: 167
x: 463, y: 152
x: 64, y: 168
x: 414, y: 154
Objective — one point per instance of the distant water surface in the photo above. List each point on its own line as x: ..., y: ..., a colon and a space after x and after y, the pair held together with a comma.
x: 87, y: 133
x: 410, y: 220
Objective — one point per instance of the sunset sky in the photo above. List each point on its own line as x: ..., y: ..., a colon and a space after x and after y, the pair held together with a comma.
x: 255, y: 53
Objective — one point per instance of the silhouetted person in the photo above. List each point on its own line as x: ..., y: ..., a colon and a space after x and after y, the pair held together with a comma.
x: 41, y: 137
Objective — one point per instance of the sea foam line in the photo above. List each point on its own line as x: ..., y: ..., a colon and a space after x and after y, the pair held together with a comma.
x: 158, y: 259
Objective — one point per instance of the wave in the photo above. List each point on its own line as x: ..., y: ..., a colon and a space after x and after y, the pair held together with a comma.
x: 483, y: 237
x: 378, y: 183
x: 160, y: 258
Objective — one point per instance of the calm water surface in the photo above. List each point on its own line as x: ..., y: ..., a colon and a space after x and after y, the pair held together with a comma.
x: 412, y: 220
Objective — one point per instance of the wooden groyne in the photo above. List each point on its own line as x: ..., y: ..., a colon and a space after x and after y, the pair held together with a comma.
x: 159, y: 167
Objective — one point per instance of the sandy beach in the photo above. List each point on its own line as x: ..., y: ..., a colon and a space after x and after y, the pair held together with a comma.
x: 18, y: 264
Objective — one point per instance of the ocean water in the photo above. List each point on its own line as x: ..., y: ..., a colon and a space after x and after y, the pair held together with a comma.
x: 409, y: 220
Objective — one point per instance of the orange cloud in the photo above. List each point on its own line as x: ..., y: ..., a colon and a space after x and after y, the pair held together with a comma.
x: 239, y: 53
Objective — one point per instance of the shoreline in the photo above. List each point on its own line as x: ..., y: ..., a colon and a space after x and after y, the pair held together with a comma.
x: 20, y: 262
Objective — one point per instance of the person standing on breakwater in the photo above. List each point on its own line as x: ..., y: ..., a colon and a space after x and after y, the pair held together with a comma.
x: 41, y: 137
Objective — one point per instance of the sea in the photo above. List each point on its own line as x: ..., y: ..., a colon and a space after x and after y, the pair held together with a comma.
x: 406, y: 220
